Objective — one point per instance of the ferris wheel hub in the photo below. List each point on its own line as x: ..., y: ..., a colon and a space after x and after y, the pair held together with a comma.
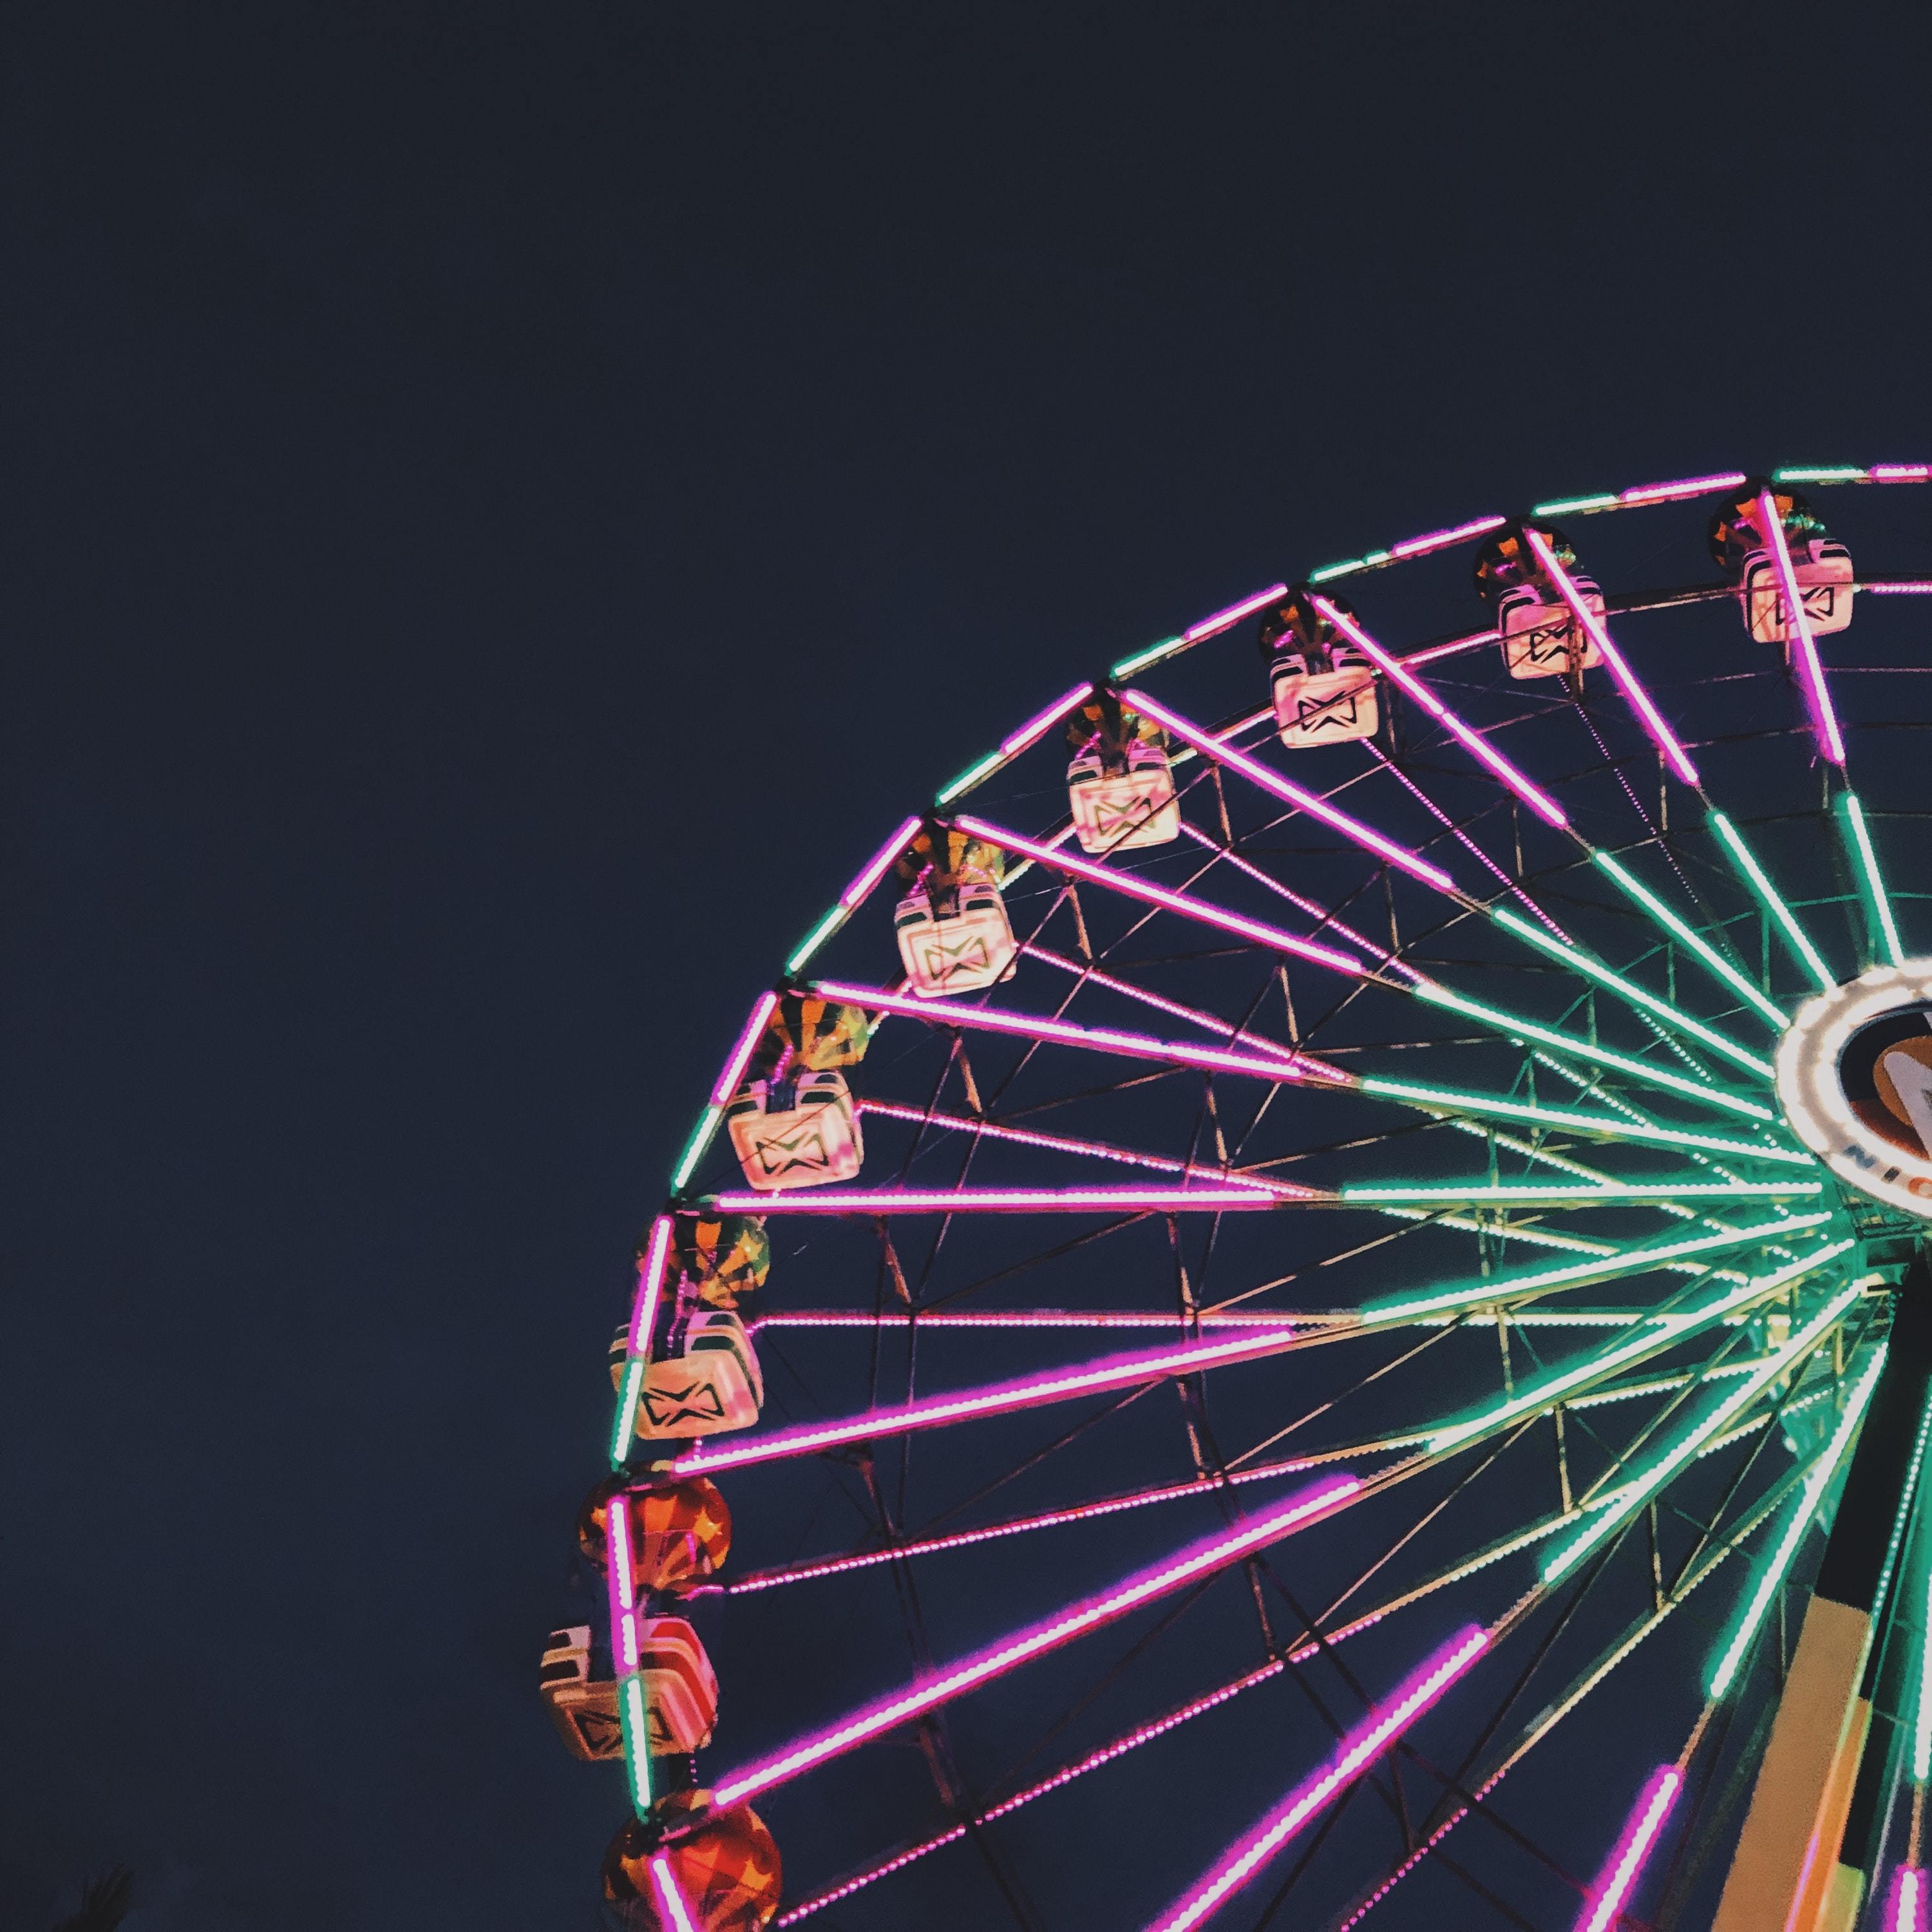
x: 1854, y: 1073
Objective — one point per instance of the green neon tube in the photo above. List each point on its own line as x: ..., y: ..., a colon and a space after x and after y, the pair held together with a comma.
x: 624, y: 1427
x: 1771, y: 1574
x: 1605, y: 1124
x: 1631, y: 990
x: 1648, y: 1071
x: 817, y: 937
x: 1641, y: 1489
x: 1756, y: 877
x: 1579, y: 1274
x: 1878, y: 902
x: 1139, y: 661
x: 637, y: 1741
x: 694, y: 1148
x: 1701, y: 947
x: 971, y: 776
x: 1659, y: 1332
x: 1479, y: 1193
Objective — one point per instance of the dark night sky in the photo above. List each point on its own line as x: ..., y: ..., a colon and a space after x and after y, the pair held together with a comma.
x: 501, y: 506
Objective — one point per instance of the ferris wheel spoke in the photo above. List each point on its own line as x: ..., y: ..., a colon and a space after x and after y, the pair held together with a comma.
x: 1482, y: 1191
x: 1768, y: 895
x: 1797, y: 626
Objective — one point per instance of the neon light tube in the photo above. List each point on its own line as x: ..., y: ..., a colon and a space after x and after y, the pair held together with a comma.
x: 964, y: 1539
x: 1875, y: 896
x: 1481, y: 1194
x: 1354, y: 1753
x: 1016, y: 742
x: 1901, y: 473
x: 999, y: 1201
x: 1660, y: 1332
x: 1689, y: 486
x: 1630, y: 990
x: 1204, y: 1559
x: 1539, y: 801
x: 1132, y: 885
x: 1841, y: 473
x: 1573, y: 506
x: 816, y: 937
x: 1611, y: 1126
x: 1330, y: 571
x: 1917, y: 587
x: 1647, y: 1071
x: 1101, y: 1039
x: 1210, y: 1022
x: 1225, y: 620
x: 1906, y: 1909
x: 1316, y: 807
x: 1096, y: 1149
x: 670, y: 1901
x: 876, y: 868
x: 1705, y: 951
x: 1798, y: 625
x: 1141, y: 661
x: 1442, y: 539
x: 1615, y: 1883
x: 624, y: 1429
x: 1732, y: 841
x: 1640, y: 1490
x: 934, y: 1412
x: 1577, y: 1274
x: 970, y: 777
x: 1634, y: 693
x: 694, y: 1148
x: 650, y: 1280
x: 741, y: 1054
x: 1771, y: 1577
x: 621, y: 1585
x: 636, y: 1725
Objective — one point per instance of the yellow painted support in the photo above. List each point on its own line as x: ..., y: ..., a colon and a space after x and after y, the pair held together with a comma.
x: 1791, y: 1801
x: 1821, y: 1862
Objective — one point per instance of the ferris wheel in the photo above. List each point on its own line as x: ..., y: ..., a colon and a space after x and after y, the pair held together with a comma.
x: 1304, y: 1307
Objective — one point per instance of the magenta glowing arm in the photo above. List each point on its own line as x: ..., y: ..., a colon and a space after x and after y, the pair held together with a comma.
x: 893, y: 1110
x: 1687, y: 486
x: 1454, y: 647
x: 879, y: 865
x: 1539, y: 801
x: 741, y: 1054
x: 1797, y: 627
x: 676, y: 1916
x: 1204, y: 1560
x: 1223, y: 753
x: 1905, y: 1910
x: 1901, y: 473
x: 1299, y: 1069
x: 1109, y: 1373
x: 999, y: 1200
x: 1607, y: 1898
x: 1226, y: 620
x: 1634, y: 693
x: 1132, y: 885
x: 1353, y: 1755
x: 1011, y: 745
x: 622, y: 1583
x: 1442, y: 539
x: 964, y: 1539
x: 650, y: 1282
x: 1084, y: 969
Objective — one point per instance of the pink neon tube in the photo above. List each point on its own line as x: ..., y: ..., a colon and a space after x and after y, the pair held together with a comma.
x: 1081, y: 970
x: 1538, y: 801
x: 1689, y: 486
x: 650, y: 1282
x: 1906, y: 1909
x: 1901, y: 473
x: 1634, y: 694
x: 1353, y: 1755
x: 741, y: 1054
x: 873, y: 1720
x: 964, y: 1539
x: 1257, y: 773
x: 1442, y: 539
x: 1101, y: 1040
x: 933, y: 1412
x: 1034, y: 727
x: 1222, y: 620
x: 622, y: 1583
x: 1617, y: 1880
x: 670, y: 1901
x: 1000, y: 1200
x: 1797, y: 624
x: 879, y: 865
x: 892, y: 1110
x: 1132, y: 885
